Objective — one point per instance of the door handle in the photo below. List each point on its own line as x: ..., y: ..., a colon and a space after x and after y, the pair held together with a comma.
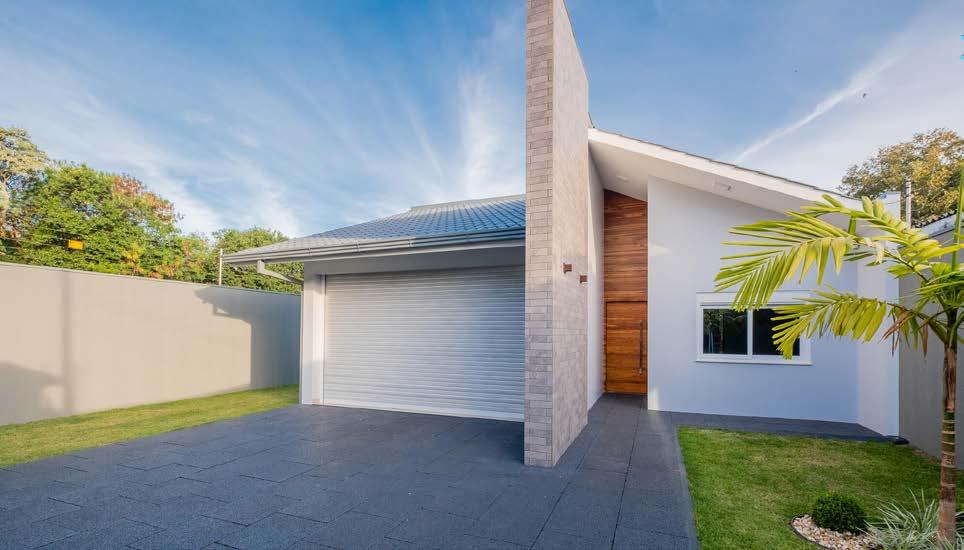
x: 640, y: 347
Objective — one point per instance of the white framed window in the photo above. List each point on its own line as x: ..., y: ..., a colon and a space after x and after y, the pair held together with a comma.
x: 729, y: 336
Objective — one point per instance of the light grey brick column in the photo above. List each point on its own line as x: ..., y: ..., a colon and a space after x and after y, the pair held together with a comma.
x: 557, y: 181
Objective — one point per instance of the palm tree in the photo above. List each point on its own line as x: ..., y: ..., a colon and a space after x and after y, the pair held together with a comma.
x: 807, y: 242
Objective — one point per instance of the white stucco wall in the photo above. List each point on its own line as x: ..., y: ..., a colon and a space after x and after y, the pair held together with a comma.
x: 686, y: 228
x: 594, y: 351
x: 878, y: 390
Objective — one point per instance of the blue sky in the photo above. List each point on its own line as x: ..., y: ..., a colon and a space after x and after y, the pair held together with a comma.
x: 303, y: 116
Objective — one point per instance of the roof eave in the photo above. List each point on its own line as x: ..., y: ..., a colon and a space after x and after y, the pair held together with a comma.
x: 363, y: 248
x: 764, y: 180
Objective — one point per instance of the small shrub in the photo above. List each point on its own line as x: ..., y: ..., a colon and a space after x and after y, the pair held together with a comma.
x: 910, y: 528
x: 839, y: 513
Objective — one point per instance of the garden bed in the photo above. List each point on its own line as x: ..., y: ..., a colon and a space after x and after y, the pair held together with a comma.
x: 745, y: 487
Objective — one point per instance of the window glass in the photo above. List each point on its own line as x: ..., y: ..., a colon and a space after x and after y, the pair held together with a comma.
x: 724, y: 332
x: 763, y: 324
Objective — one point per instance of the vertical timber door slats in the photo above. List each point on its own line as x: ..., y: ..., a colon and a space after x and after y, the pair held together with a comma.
x: 625, y: 293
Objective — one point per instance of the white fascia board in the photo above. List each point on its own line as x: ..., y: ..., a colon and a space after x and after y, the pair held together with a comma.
x: 486, y: 239
x: 762, y: 180
x: 940, y: 226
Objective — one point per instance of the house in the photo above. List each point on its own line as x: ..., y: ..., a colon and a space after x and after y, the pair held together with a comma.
x: 598, y: 279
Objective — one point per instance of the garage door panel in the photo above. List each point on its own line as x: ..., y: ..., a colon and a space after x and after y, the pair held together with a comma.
x: 448, y: 341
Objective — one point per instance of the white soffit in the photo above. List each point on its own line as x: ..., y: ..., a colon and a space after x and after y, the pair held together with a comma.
x: 626, y: 165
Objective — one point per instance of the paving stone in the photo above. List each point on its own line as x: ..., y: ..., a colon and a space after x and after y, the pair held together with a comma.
x: 166, y: 491
x: 586, y: 513
x: 236, y: 487
x: 171, y: 513
x: 553, y: 540
x: 248, y: 511
x: 452, y: 468
x: 655, y: 480
x: 274, y: 531
x: 339, y: 469
x: 471, y: 542
x: 198, y: 532
x: 516, y: 516
x: 163, y: 474
x: 30, y: 535
x: 634, y: 539
x: 365, y: 485
x: 461, y: 502
x: 154, y: 460
x: 599, y: 480
x: 279, y: 470
x: 323, y: 506
x: 38, y: 491
x: 354, y: 530
x: 37, y: 510
x: 94, y: 517
x: 117, y: 534
x: 303, y: 545
x: 653, y: 514
x: 395, y: 544
x: 303, y: 486
x: 432, y: 529
x: 207, y: 459
x: 393, y: 504
x: 605, y: 463
x: 98, y: 493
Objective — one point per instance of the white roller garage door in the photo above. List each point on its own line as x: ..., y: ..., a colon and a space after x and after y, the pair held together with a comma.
x: 447, y: 342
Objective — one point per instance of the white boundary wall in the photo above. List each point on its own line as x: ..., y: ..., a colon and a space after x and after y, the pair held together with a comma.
x: 74, y: 342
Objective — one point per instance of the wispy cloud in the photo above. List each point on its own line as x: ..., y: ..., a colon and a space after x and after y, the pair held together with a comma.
x: 913, y: 84
x: 298, y: 140
x: 856, y: 88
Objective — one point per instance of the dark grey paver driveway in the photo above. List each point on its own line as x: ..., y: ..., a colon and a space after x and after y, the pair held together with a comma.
x: 319, y: 477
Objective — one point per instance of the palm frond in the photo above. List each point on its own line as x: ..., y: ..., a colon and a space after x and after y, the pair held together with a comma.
x: 805, y: 243
x: 841, y: 314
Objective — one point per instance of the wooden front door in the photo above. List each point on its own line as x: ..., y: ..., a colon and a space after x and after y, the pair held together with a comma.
x: 626, y: 334
x: 625, y: 292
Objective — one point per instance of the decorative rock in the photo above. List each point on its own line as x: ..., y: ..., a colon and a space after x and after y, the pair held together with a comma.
x: 806, y: 528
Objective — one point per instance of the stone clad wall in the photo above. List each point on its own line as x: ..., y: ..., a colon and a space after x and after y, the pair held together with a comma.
x: 557, y: 182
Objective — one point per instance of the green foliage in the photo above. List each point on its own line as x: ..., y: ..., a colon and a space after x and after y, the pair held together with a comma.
x: 931, y: 161
x: 910, y: 528
x: 21, y: 162
x: 838, y: 512
x: 124, y: 227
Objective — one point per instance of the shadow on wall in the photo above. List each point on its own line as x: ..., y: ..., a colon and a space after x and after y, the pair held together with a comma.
x: 34, y: 391
x: 275, y: 334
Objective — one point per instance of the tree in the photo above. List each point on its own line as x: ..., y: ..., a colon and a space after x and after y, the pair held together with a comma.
x: 234, y: 240
x: 20, y: 162
x: 123, y: 227
x: 807, y: 242
x: 931, y: 162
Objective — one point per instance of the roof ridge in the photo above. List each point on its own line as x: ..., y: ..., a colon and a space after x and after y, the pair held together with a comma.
x: 468, y: 201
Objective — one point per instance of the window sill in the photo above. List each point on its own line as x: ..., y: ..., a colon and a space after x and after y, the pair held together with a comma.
x: 754, y: 361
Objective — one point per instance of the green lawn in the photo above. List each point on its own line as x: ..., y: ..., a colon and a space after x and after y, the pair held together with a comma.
x: 43, y: 438
x: 746, y: 486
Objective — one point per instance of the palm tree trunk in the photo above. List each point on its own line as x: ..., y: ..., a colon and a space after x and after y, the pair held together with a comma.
x: 946, y: 529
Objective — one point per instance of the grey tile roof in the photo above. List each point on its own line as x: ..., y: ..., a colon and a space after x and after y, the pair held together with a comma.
x: 451, y: 219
